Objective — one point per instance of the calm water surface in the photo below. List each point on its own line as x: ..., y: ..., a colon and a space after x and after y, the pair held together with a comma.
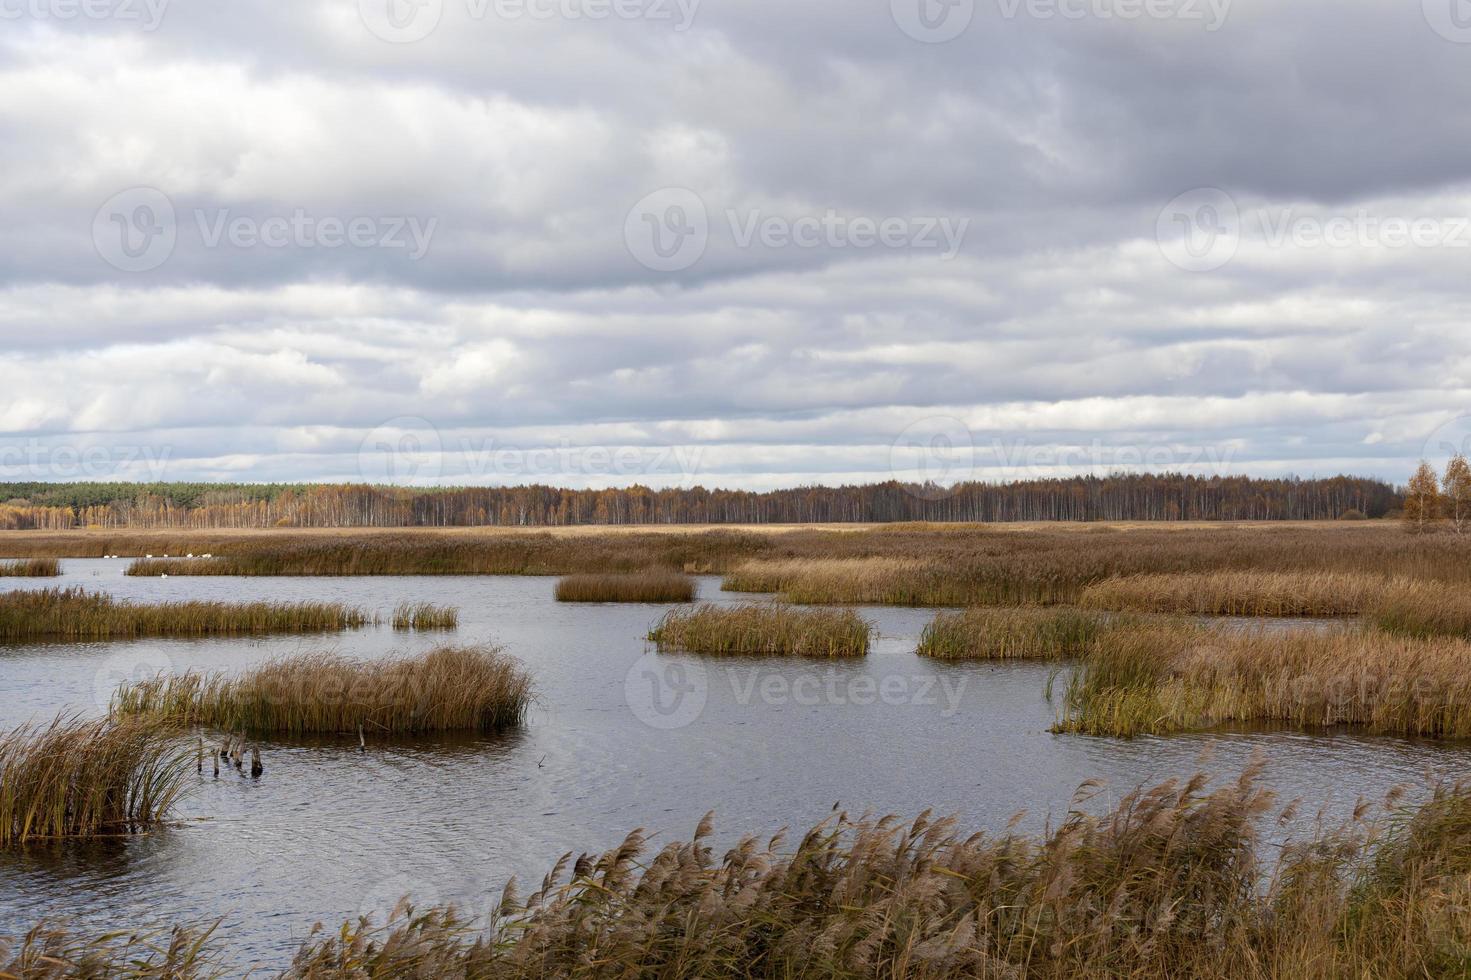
x: 619, y: 739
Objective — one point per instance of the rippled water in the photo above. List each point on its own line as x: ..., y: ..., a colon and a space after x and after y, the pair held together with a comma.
x: 619, y: 739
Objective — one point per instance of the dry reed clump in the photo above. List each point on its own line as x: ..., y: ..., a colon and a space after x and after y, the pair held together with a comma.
x: 439, y: 553
x: 446, y: 689
x: 76, y: 614
x: 763, y: 630
x: 1164, y: 678
x: 1171, y: 882
x: 857, y: 581
x: 649, y: 586
x: 1031, y: 633
x: 1238, y: 593
x: 77, y: 778
x: 425, y: 616
x: 52, y: 951
x: 1421, y: 609
x: 30, y: 568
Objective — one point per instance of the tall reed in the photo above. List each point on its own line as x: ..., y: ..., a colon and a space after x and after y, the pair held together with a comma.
x: 30, y: 568
x: 763, y: 630
x: 1173, y: 881
x: 1164, y: 678
x: 51, y: 950
x: 76, y: 614
x: 1030, y: 633
x: 1422, y: 609
x: 425, y: 616
x: 648, y: 586
x: 446, y: 689
x: 1253, y: 593
x: 77, y: 778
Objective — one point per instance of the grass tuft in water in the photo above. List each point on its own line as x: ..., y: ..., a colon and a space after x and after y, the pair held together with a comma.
x: 425, y: 616
x: 446, y: 689
x: 763, y: 630
x: 650, y: 586
x: 77, y: 778
x: 996, y: 633
x: 30, y: 568
x: 76, y: 614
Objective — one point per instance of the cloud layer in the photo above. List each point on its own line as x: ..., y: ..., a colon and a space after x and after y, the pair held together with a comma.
x: 796, y: 243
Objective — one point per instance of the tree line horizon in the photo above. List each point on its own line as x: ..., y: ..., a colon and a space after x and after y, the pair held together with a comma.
x: 1120, y: 497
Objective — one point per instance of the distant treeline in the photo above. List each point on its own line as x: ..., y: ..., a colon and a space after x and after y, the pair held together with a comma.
x: 1163, y: 497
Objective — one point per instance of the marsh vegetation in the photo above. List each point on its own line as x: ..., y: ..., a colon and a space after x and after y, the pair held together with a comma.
x: 757, y: 629
x: 450, y: 688
x: 76, y: 614
x: 650, y: 586
x: 30, y: 568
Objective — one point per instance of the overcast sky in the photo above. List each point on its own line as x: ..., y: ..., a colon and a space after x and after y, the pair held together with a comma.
x: 747, y: 243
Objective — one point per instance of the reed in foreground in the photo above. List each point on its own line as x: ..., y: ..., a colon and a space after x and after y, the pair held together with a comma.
x: 446, y: 689
x: 30, y: 568
x: 1172, y: 882
x: 52, y: 951
x: 763, y: 630
x: 1173, y: 677
x: 425, y: 616
x: 76, y: 614
x: 1029, y: 633
x: 650, y: 586
x: 1238, y: 593
x: 88, y: 779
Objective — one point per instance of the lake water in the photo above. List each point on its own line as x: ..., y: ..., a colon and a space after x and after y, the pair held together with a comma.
x: 619, y: 738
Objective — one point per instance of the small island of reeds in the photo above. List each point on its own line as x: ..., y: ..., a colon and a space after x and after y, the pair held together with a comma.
x: 75, y: 778
x: 1027, y: 633
x: 758, y: 629
x: 447, y: 689
x: 649, y: 586
x: 30, y: 568
x: 76, y: 614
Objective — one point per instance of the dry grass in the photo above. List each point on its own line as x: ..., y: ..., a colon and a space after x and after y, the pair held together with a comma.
x: 763, y: 630
x: 1172, y: 677
x: 51, y: 952
x: 1029, y: 633
x: 447, y: 689
x: 30, y: 568
x: 87, y: 779
x: 1422, y: 609
x: 76, y: 614
x: 1171, y: 882
x: 425, y: 616
x: 1239, y: 593
x: 651, y: 586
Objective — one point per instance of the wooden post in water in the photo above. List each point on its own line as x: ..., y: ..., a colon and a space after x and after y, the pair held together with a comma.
x: 362, y: 742
x: 255, y: 767
x: 199, y: 762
